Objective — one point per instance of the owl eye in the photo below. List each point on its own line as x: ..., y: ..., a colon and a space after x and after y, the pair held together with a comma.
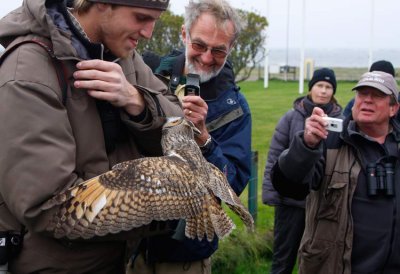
x: 172, y: 121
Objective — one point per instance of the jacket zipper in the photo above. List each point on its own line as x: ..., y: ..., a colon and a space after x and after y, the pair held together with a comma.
x: 350, y: 198
x: 392, y: 234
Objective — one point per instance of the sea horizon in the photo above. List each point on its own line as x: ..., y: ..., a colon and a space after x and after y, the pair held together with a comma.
x: 347, y: 58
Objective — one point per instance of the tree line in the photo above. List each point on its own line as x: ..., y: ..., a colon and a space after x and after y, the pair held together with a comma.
x: 247, y: 52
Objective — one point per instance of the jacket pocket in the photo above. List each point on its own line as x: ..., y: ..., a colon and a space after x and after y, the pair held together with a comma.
x: 317, y: 257
x: 332, y: 201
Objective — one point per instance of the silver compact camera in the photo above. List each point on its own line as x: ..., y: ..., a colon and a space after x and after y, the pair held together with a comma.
x: 334, y: 124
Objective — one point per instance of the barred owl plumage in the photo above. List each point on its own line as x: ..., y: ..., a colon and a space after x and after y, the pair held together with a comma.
x: 179, y: 185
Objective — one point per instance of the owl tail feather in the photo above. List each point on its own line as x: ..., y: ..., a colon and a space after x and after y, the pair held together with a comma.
x: 215, y: 222
x: 223, y: 224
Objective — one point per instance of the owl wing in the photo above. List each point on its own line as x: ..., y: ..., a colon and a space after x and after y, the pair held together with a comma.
x: 132, y: 194
x: 219, y: 186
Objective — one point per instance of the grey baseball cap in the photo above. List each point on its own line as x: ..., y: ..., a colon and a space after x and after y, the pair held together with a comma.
x: 380, y: 80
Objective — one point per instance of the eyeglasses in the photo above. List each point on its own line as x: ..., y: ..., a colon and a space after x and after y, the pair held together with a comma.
x: 201, y: 47
x: 374, y: 93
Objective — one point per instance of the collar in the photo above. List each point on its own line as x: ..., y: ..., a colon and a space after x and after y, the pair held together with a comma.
x: 309, y: 106
x: 353, y: 130
x: 94, y: 50
x: 76, y: 24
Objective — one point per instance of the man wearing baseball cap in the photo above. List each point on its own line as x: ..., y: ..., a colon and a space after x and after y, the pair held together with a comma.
x: 351, y: 179
x: 382, y: 81
x: 381, y: 65
x: 75, y: 100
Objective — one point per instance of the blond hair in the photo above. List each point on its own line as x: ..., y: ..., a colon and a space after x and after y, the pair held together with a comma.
x: 82, y: 6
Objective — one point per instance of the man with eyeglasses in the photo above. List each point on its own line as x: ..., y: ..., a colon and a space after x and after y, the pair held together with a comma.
x: 351, y: 179
x: 222, y: 115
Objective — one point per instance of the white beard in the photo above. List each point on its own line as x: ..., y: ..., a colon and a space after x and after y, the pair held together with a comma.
x: 204, y: 76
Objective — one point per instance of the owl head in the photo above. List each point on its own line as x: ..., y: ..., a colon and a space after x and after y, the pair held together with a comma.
x: 179, y: 132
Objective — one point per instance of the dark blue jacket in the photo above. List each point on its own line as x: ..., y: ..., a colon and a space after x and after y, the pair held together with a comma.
x: 229, y: 124
x: 347, y: 109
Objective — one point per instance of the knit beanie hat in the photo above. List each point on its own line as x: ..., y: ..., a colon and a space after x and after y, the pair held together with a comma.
x: 148, y: 4
x: 384, y: 66
x: 323, y: 74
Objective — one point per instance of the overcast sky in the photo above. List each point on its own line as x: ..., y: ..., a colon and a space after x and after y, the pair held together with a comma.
x: 328, y: 24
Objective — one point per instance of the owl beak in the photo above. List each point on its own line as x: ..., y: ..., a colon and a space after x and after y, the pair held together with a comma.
x: 196, y: 131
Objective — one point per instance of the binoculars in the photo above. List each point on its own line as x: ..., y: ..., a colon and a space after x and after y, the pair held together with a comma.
x: 380, y: 177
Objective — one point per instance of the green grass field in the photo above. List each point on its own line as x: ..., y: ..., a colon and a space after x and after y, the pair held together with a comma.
x: 242, y: 253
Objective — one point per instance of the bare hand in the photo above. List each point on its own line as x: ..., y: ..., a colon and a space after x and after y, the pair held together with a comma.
x: 195, y: 110
x: 106, y: 81
x: 315, y: 128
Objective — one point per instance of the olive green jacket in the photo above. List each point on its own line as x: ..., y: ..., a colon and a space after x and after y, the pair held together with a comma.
x: 328, y: 236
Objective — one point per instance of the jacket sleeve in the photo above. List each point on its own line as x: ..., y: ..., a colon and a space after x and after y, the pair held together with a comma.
x: 280, y: 141
x: 231, y: 149
x: 298, y: 169
x: 160, y: 103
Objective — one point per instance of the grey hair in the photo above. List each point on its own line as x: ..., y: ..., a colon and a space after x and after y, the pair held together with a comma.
x: 220, y: 9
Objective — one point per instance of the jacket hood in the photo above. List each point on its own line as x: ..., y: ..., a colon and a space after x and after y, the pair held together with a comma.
x: 45, y: 18
x: 23, y: 21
